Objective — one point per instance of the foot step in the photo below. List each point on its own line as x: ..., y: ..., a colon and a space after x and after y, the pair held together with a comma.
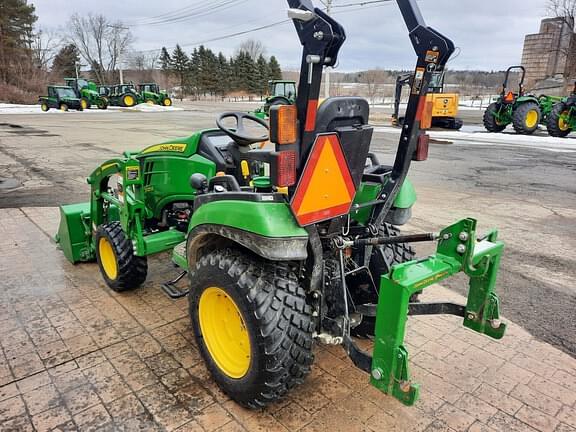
x: 171, y: 290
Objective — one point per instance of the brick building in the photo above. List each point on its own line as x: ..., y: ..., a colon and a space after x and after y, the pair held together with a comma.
x: 545, y: 53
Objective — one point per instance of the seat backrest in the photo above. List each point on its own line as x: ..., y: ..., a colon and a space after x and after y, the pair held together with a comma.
x: 338, y: 112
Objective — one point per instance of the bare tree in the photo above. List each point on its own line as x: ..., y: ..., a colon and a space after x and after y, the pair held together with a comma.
x: 566, y: 10
x: 100, y: 42
x: 254, y: 48
x: 373, y: 80
x: 143, y: 64
x: 45, y: 45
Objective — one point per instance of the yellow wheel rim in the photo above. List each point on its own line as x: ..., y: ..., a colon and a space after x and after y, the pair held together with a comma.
x: 150, y: 102
x: 531, y: 118
x: 63, y: 107
x: 84, y: 104
x: 107, y: 258
x: 563, y: 125
x: 167, y: 102
x: 224, y: 332
x: 129, y: 100
x: 44, y: 107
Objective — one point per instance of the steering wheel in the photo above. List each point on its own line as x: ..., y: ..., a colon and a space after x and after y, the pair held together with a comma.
x: 240, y: 135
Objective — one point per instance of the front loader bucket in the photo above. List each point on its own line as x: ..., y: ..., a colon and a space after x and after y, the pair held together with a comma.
x: 74, y: 233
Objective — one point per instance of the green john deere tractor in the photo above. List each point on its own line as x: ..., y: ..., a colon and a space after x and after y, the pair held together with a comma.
x: 520, y: 109
x: 562, y: 118
x: 88, y: 93
x: 546, y: 104
x: 280, y: 92
x: 124, y: 95
x: 291, y: 245
x: 151, y: 94
x: 60, y: 97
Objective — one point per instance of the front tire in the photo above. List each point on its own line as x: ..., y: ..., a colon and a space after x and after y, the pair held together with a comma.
x: 557, y: 125
x: 128, y: 101
x: 84, y: 103
x: 44, y: 107
x: 63, y: 107
x: 252, y: 325
x: 526, y: 118
x: 120, y: 268
x: 490, y: 119
x: 167, y: 102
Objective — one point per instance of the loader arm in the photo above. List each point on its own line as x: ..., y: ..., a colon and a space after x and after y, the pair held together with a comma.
x: 433, y: 51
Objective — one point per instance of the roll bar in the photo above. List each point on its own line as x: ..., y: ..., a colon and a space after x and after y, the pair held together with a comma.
x: 507, y: 77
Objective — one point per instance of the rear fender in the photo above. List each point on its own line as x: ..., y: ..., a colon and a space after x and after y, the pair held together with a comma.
x: 267, y: 229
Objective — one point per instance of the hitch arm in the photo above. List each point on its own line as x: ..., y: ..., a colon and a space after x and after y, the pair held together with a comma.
x: 457, y: 251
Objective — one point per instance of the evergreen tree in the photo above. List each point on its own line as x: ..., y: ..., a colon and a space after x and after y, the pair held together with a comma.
x: 263, y: 75
x: 66, y: 60
x: 211, y: 72
x: 245, y: 70
x: 17, y: 19
x: 179, y: 64
x: 165, y: 60
x: 275, y: 70
x: 194, y: 68
x: 224, y: 77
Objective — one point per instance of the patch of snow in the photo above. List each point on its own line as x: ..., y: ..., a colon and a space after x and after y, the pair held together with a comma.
x: 35, y: 109
x: 478, y: 136
x: 144, y: 107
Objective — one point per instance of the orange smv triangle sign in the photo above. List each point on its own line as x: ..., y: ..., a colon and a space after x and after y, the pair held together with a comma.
x: 326, y: 189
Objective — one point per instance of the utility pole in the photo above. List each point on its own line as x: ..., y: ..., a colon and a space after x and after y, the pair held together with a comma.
x: 327, y: 70
x: 119, y: 58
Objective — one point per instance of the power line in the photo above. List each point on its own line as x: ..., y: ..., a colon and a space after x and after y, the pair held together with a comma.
x: 364, y: 3
x: 264, y: 27
x: 197, y: 12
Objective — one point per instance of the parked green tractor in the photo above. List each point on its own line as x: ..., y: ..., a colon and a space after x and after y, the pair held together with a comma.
x: 546, y: 104
x: 60, y: 97
x: 88, y: 93
x: 290, y: 245
x: 280, y: 92
x: 124, y: 95
x: 151, y: 94
x: 562, y: 118
x: 520, y: 109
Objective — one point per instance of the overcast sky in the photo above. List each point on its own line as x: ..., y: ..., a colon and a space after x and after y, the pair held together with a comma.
x: 490, y: 33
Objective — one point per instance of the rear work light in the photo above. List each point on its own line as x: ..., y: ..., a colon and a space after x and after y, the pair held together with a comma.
x: 283, y: 124
x: 421, y: 153
x: 424, y: 113
x: 283, y: 169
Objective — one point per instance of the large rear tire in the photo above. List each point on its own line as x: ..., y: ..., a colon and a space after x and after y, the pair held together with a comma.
x: 557, y: 125
x: 382, y: 260
x: 490, y: 119
x: 252, y: 325
x: 526, y: 118
x: 120, y: 268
